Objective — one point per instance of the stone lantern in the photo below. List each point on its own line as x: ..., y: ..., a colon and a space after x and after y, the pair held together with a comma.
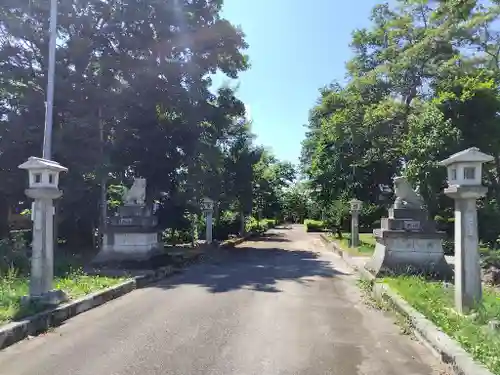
x: 355, y: 210
x: 355, y: 205
x: 43, y: 189
x: 207, y: 205
x: 465, y: 187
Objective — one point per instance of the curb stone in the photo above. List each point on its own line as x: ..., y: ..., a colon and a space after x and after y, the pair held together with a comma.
x: 14, y: 332
x: 448, y: 350
x: 365, y: 274
x: 443, y: 346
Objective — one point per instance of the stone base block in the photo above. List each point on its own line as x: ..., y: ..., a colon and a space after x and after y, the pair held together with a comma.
x: 51, y: 298
x: 128, y: 246
x: 409, y: 255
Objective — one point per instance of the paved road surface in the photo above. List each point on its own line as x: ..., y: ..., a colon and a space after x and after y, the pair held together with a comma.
x: 281, y: 305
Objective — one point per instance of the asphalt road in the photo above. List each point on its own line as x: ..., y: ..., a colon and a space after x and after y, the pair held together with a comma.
x: 280, y: 305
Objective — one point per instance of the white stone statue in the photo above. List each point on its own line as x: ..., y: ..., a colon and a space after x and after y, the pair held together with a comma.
x: 136, y: 195
x: 406, y: 197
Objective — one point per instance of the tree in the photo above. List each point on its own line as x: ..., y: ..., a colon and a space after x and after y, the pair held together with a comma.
x: 423, y: 84
x: 132, y: 95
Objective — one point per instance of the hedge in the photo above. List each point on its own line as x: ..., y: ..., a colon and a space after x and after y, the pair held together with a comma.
x: 314, y: 225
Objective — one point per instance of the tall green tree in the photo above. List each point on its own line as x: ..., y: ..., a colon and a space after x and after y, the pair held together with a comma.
x: 423, y: 83
x: 132, y: 95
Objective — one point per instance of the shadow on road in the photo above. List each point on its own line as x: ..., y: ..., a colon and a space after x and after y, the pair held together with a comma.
x: 254, y: 269
x: 271, y: 237
x: 285, y: 227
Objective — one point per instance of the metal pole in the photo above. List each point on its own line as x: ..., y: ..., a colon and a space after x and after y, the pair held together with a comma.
x: 49, y: 103
x: 42, y: 269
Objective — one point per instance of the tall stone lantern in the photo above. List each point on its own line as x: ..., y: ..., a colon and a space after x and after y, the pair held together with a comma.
x: 465, y: 187
x: 355, y: 210
x: 207, y: 205
x: 43, y: 189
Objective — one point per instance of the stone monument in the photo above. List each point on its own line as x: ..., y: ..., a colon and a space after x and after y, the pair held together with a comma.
x: 408, y: 242
x: 465, y: 187
x: 132, y: 233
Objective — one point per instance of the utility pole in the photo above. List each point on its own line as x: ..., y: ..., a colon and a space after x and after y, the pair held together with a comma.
x: 103, y: 199
x: 49, y: 103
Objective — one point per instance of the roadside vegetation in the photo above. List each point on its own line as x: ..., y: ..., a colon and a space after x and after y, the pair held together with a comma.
x: 14, y: 278
x: 75, y: 283
x: 478, y: 332
x: 366, y: 244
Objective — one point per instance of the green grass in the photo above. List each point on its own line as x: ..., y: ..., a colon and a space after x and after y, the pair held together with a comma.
x: 366, y: 247
x: 435, y: 301
x: 75, y: 283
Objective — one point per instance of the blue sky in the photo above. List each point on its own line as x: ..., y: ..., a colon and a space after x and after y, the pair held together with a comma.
x: 294, y: 50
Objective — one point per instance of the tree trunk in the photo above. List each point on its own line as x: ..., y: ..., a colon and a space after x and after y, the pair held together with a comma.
x: 217, y: 220
x: 4, y: 217
x: 194, y: 229
x: 242, y: 223
x: 103, y: 204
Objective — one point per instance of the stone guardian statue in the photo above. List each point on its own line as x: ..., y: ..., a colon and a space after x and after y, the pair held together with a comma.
x: 406, y: 197
x: 136, y: 195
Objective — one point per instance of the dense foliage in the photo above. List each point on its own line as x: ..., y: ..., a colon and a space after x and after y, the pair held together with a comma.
x: 423, y: 84
x: 133, y: 98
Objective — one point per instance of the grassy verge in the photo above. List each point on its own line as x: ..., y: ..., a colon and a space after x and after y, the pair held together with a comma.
x: 365, y: 248
x: 435, y: 301
x: 75, y: 283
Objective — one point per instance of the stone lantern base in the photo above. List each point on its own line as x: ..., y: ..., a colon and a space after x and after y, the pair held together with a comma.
x: 407, y: 243
x: 51, y: 298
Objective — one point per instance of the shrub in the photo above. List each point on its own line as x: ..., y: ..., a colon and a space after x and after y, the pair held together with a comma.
x: 314, y: 225
x: 370, y: 215
x: 228, y: 224
x: 490, y: 257
x: 258, y: 227
x: 252, y: 225
x: 268, y: 223
x: 173, y: 236
x: 14, y: 253
x: 337, y: 215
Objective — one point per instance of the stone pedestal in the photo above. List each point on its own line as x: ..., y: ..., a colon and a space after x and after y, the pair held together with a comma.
x: 465, y: 187
x: 42, y: 259
x: 207, y: 206
x: 408, y: 243
x: 130, y: 235
x: 209, y: 226
x: 468, y: 288
x: 355, y: 229
x: 355, y: 210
